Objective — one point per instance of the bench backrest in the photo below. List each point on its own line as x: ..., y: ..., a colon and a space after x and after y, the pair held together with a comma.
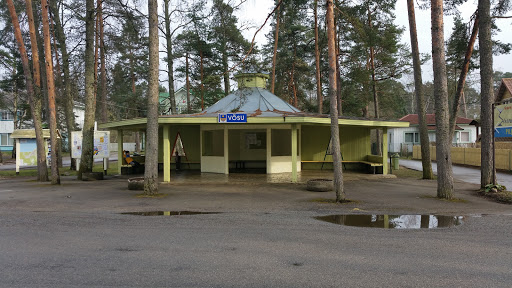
x: 374, y: 158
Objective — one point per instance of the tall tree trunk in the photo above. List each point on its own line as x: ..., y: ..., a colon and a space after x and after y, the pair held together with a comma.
x: 86, y: 161
x: 58, y: 94
x: 292, y: 78
x: 51, y: 93
x: 420, y: 100
x: 487, y: 93
x: 43, y: 91
x: 443, y: 139
x: 462, y: 77
x: 151, y: 169
x: 225, y: 69
x: 170, y: 57
x: 338, y: 68
x: 103, y: 69
x: 68, y: 96
x: 202, y: 77
x: 33, y: 88
x: 374, y: 86
x: 319, y: 96
x: 274, y: 56
x: 335, y: 131
x: 187, y: 83
x: 132, y: 72
x: 96, y: 53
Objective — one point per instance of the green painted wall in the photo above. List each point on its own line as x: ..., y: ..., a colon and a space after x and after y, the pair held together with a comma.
x: 355, y: 144
x: 252, y: 80
x: 191, y: 141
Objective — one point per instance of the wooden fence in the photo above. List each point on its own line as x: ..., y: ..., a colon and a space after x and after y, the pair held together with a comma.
x: 470, y: 156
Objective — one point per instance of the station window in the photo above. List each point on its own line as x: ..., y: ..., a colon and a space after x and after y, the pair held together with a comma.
x: 412, y: 137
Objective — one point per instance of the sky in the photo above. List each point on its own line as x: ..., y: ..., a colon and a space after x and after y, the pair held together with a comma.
x: 257, y: 11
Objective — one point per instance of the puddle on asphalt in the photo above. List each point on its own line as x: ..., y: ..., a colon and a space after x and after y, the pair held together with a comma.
x: 167, y: 213
x: 394, y: 221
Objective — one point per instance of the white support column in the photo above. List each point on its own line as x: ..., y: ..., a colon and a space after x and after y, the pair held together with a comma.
x: 167, y: 154
x: 294, y: 152
x: 226, y: 150
x: 385, y: 151
x: 119, y: 151
x: 269, y: 150
x: 18, y: 158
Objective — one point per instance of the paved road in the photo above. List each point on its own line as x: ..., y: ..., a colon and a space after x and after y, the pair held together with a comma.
x: 466, y: 174
x: 266, y: 235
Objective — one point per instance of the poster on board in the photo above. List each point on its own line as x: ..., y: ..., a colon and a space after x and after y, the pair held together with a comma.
x: 28, y: 152
x: 503, y: 120
x: 101, y: 144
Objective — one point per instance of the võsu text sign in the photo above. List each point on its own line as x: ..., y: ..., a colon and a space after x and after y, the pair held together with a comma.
x: 232, y: 118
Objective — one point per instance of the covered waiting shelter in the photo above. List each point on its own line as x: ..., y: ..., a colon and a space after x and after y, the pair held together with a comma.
x: 275, y: 136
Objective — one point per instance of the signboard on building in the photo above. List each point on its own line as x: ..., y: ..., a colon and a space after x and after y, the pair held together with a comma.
x: 503, y: 120
x: 232, y: 118
x: 101, y: 141
x: 500, y: 132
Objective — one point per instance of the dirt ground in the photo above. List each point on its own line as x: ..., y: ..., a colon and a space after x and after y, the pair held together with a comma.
x: 246, y: 193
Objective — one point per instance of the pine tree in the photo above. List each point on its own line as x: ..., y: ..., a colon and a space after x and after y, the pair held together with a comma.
x: 151, y: 166
x: 443, y: 139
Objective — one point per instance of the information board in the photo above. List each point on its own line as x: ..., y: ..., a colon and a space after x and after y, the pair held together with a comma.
x: 28, y: 152
x: 503, y: 120
x: 101, y: 144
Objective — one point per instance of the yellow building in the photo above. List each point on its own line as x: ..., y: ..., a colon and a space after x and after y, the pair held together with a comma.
x: 254, y: 129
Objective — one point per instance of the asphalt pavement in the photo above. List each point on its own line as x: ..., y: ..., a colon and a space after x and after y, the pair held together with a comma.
x: 264, y: 235
x: 462, y: 173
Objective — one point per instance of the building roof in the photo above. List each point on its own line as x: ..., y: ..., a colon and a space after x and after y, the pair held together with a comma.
x: 506, y: 86
x: 431, y: 120
x: 253, y: 101
x: 261, y: 107
x: 31, y: 133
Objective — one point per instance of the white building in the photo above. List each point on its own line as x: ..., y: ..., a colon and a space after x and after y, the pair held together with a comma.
x: 180, y: 97
x: 6, y: 129
x: 402, y: 139
x: 79, y: 111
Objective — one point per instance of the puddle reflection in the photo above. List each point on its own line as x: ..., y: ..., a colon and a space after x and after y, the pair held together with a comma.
x: 394, y: 221
x: 167, y: 213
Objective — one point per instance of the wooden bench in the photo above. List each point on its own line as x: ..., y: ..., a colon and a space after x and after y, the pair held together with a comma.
x: 371, y: 160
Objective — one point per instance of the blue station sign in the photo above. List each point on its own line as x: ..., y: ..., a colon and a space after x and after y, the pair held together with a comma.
x: 500, y: 132
x: 232, y: 118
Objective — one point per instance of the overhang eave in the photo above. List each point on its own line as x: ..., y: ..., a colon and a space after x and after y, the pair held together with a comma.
x: 141, y: 122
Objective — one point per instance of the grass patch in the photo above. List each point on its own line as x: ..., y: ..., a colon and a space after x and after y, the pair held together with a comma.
x: 454, y: 200
x: 409, y: 173
x: 500, y: 196
x: 64, y: 171
x: 332, y: 201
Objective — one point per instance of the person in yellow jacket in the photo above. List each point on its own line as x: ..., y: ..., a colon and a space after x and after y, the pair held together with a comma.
x: 128, y: 159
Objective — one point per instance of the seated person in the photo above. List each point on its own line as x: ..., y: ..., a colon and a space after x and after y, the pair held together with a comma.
x: 128, y: 159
